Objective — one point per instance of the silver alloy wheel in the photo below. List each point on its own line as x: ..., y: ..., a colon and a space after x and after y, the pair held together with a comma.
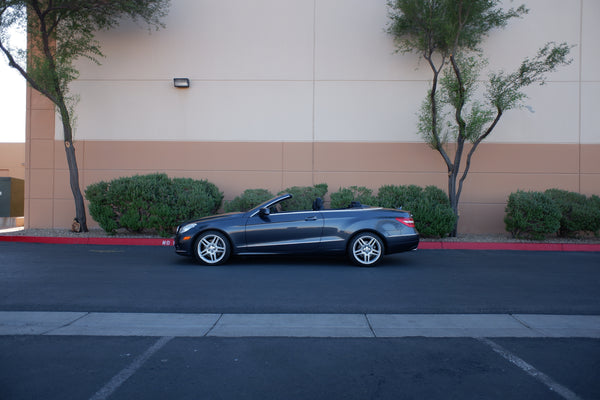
x: 366, y: 249
x: 212, y: 248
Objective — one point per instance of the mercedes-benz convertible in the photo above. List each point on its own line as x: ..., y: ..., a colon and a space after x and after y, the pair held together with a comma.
x: 364, y: 233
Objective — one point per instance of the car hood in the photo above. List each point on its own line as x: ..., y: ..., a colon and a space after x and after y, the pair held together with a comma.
x: 220, y: 217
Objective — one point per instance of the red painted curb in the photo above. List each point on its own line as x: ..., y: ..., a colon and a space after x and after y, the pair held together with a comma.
x: 508, y: 246
x: 91, y: 240
x: 424, y: 245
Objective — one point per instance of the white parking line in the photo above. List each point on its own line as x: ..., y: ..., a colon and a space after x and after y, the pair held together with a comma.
x: 127, y: 372
x: 531, y: 370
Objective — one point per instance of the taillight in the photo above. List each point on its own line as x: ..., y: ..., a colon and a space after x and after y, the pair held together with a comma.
x: 406, y: 221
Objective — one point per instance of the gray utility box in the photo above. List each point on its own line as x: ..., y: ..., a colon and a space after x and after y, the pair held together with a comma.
x: 12, y: 197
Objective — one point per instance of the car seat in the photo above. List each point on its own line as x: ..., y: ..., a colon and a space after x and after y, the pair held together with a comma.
x: 318, y: 204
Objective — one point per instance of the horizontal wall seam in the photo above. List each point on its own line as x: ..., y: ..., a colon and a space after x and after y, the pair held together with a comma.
x: 403, y: 172
x: 139, y: 80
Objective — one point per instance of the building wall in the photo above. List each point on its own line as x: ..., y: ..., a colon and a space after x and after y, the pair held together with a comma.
x: 12, y: 160
x: 297, y: 92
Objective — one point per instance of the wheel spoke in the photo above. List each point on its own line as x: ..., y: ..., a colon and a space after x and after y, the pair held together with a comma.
x: 212, y: 249
x: 367, y: 250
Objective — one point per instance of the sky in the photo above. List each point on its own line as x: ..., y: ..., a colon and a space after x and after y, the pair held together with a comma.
x: 12, y: 99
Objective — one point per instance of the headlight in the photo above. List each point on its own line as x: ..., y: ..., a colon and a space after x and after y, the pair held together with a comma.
x: 186, y: 227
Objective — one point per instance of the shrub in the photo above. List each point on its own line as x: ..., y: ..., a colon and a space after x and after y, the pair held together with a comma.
x: 392, y: 196
x: 248, y: 200
x: 531, y: 215
x: 435, y: 217
x: 343, y: 197
x: 430, y: 207
x: 151, y: 202
x: 594, y: 223
x: 578, y: 213
x: 303, y: 196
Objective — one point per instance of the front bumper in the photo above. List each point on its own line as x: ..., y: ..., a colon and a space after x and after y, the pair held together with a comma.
x: 183, y: 247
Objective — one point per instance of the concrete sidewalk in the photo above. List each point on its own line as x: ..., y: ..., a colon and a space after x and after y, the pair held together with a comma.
x: 298, y: 325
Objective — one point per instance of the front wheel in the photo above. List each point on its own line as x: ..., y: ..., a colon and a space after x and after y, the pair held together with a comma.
x: 366, y: 249
x: 212, y: 248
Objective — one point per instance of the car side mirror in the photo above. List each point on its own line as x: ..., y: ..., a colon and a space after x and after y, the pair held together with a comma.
x: 264, y: 212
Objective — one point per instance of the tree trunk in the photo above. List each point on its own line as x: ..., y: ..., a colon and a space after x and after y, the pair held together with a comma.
x: 74, y: 180
x: 453, y: 196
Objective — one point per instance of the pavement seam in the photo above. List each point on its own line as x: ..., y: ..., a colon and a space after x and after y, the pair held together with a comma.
x: 520, y: 321
x: 48, y: 332
x: 370, y: 326
x: 214, y: 325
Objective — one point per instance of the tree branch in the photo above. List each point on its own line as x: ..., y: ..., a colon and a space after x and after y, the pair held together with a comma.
x: 434, y: 113
x: 474, y: 147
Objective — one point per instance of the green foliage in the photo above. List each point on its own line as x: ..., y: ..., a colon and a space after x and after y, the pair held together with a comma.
x: 343, y: 197
x: 535, y: 215
x: 505, y: 90
x: 444, y: 25
x: 430, y: 125
x: 430, y: 207
x: 392, y: 196
x: 594, y: 223
x: 578, y: 213
x: 448, y: 35
x: 151, y: 202
x: 531, y: 215
x: 303, y: 196
x: 248, y: 200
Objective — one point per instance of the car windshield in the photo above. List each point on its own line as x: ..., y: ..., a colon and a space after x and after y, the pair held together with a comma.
x: 272, y: 202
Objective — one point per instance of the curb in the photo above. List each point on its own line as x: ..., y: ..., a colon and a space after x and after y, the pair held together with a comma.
x: 423, y: 245
x: 91, y: 240
x: 509, y: 246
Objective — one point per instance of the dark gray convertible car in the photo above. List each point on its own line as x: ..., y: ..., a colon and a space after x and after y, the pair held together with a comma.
x: 362, y: 232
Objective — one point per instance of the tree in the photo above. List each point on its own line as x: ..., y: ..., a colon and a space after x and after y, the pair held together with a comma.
x: 448, y: 35
x: 60, y: 32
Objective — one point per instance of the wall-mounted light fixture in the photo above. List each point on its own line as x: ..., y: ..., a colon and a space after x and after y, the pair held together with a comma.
x: 181, y: 82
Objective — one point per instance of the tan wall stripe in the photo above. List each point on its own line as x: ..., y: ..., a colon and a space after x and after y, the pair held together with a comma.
x: 498, y: 170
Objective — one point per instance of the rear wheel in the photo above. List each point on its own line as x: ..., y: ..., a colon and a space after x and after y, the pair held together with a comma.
x: 212, y: 248
x: 366, y: 249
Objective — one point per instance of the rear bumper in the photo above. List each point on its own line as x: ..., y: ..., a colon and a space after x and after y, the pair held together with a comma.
x: 399, y: 244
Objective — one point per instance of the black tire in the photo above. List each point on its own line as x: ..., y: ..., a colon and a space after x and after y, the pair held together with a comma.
x: 366, y: 249
x: 212, y: 248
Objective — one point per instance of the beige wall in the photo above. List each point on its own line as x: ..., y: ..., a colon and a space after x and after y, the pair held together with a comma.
x: 297, y: 92
x: 320, y: 70
x: 12, y: 160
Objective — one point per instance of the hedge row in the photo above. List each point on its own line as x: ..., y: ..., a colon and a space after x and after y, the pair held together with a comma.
x: 156, y: 202
x: 429, y: 206
x: 302, y: 198
x: 536, y: 215
x: 151, y: 202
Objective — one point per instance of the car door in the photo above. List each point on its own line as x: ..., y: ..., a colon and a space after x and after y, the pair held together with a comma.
x: 284, y: 232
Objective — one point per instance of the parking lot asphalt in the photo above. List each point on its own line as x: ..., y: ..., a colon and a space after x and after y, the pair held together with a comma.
x: 151, y: 344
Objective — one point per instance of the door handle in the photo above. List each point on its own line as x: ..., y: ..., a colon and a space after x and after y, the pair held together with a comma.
x: 313, y: 218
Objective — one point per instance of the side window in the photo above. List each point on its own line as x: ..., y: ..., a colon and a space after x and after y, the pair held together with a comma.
x: 276, y: 208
